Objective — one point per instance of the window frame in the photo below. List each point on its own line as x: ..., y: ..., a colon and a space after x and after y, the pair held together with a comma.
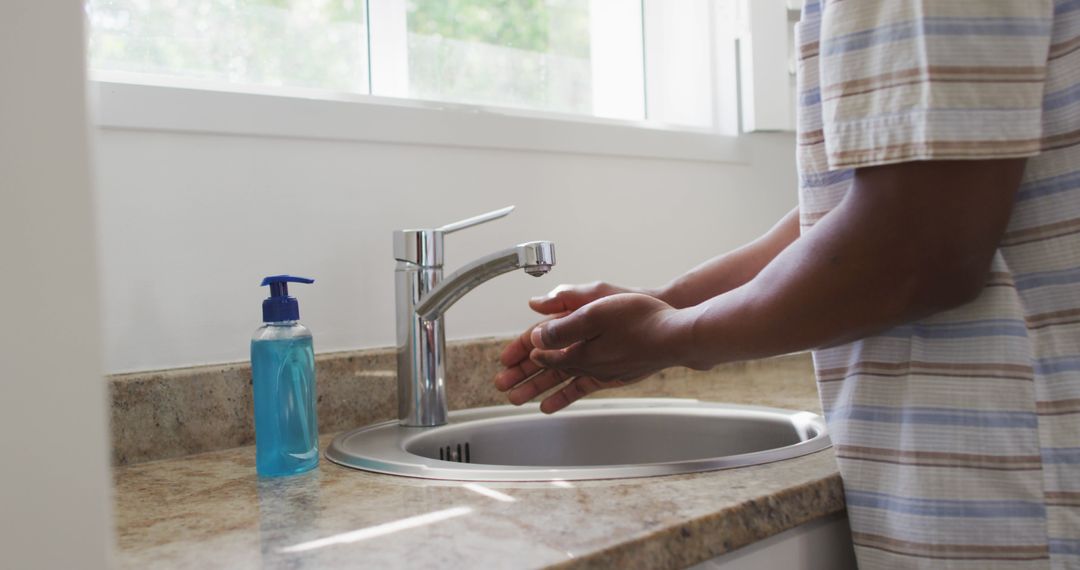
x: 138, y: 102
x: 135, y: 101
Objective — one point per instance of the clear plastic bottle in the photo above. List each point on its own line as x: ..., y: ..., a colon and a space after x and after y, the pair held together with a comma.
x: 283, y: 381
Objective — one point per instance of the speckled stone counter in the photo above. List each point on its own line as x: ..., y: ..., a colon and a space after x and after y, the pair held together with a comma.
x: 211, y: 511
x: 173, y: 413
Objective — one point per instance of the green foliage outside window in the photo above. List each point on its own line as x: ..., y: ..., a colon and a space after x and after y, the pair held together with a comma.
x: 306, y: 43
x: 535, y: 25
x: 519, y: 53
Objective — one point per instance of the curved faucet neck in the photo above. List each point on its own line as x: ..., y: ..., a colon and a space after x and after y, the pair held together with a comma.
x: 535, y: 257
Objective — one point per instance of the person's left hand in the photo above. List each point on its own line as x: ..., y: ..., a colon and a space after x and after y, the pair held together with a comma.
x: 611, y: 342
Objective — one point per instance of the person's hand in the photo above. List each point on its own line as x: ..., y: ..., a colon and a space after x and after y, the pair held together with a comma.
x: 568, y: 298
x: 560, y: 302
x: 612, y: 342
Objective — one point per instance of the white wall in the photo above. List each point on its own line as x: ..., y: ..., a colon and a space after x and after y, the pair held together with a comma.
x: 191, y: 222
x: 54, y: 496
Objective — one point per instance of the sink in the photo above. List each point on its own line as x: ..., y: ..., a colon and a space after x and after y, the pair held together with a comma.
x: 593, y: 439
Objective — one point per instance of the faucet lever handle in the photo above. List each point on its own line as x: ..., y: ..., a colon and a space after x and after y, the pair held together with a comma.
x: 425, y: 247
x: 476, y: 220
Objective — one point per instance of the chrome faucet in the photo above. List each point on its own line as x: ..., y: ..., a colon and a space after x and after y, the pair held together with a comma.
x: 423, y: 297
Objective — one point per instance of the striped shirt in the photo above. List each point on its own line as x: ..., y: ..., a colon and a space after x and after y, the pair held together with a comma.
x: 958, y: 436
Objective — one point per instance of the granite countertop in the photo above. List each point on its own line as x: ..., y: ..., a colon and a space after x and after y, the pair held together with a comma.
x: 210, y: 509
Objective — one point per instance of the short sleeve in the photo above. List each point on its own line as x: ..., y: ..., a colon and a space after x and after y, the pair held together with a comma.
x: 905, y: 80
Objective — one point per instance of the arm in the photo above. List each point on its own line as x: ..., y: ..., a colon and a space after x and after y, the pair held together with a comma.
x: 718, y: 275
x: 907, y: 241
x: 730, y: 270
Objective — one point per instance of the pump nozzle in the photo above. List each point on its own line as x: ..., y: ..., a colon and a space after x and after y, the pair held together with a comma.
x: 279, y: 306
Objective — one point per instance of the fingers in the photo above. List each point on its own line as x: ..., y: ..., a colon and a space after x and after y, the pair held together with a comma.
x: 516, y: 374
x: 561, y: 359
x: 515, y: 359
x: 568, y: 298
x: 561, y: 299
x: 574, y: 390
x: 564, y: 332
x: 517, y: 350
x: 538, y: 384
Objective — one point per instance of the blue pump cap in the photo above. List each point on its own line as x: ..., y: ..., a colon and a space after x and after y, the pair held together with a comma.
x: 279, y: 306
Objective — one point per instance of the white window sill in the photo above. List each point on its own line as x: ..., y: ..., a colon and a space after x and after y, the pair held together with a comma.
x: 295, y: 113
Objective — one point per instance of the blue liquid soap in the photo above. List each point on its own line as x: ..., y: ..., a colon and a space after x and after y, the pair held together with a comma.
x: 286, y: 431
x: 283, y: 382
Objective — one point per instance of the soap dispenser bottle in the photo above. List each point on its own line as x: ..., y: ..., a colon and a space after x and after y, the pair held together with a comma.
x: 283, y: 379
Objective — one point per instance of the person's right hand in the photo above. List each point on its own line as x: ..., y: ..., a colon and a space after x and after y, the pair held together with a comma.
x: 569, y: 298
x: 517, y: 377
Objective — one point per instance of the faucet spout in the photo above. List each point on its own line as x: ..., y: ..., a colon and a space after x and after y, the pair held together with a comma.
x: 536, y: 258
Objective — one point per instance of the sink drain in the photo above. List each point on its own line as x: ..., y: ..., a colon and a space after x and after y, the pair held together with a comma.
x: 456, y: 453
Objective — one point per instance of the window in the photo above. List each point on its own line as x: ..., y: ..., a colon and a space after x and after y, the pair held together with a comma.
x: 567, y: 56
x: 299, y: 43
x: 668, y: 63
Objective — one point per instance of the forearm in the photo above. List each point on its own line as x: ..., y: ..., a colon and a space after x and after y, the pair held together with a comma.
x: 878, y: 260
x: 907, y: 240
x: 731, y: 270
x: 802, y: 300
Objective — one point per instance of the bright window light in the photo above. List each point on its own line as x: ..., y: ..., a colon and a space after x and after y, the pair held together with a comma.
x: 566, y: 56
x: 489, y: 492
x: 378, y: 530
x: 669, y: 63
x: 298, y: 43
